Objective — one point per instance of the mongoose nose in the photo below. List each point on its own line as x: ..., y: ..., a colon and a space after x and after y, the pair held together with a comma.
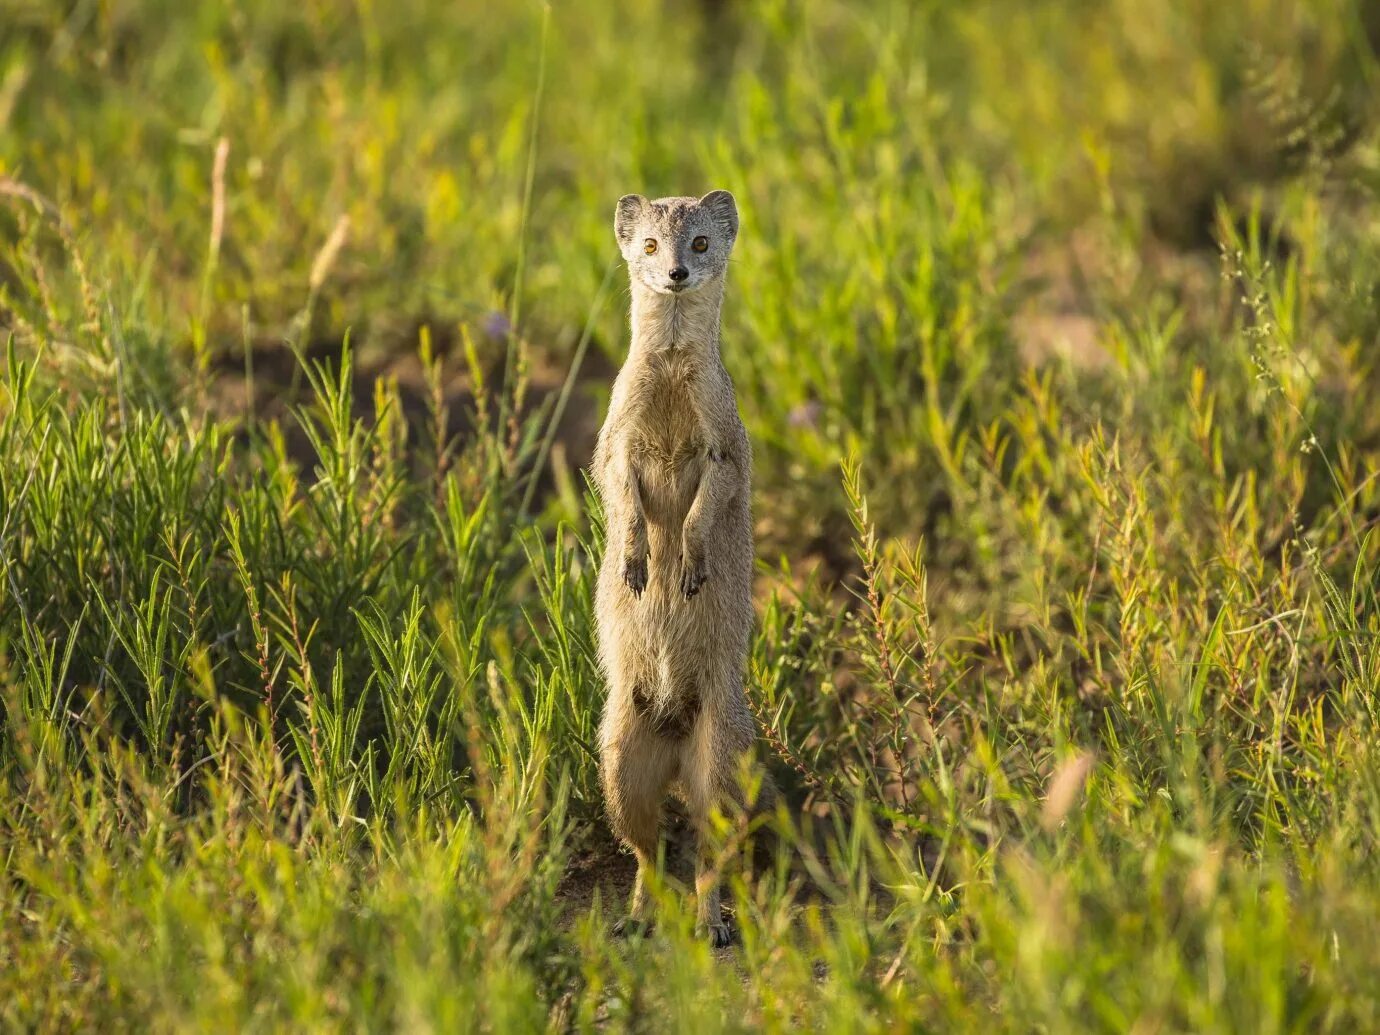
x: 679, y: 273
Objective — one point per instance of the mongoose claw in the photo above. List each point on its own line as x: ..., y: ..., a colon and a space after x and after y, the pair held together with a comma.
x: 692, y: 577
x: 720, y: 935
x: 635, y: 575
x: 631, y: 927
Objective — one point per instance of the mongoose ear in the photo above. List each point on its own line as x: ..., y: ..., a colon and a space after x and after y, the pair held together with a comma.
x: 630, y: 208
x: 720, y: 204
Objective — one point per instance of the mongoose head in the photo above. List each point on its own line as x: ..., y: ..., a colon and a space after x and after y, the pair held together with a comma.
x: 676, y: 245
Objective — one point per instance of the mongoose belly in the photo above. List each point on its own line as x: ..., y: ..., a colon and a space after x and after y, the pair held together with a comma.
x: 680, y: 655
x: 696, y: 644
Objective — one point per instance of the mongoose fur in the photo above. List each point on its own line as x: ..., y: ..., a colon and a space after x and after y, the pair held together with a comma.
x: 674, y: 599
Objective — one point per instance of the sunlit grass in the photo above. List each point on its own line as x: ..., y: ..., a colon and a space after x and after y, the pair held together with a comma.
x: 1053, y: 327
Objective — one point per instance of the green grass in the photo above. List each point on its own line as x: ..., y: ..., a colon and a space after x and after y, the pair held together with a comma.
x: 1054, y: 329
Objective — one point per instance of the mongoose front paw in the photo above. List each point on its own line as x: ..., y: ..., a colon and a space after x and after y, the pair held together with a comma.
x: 693, y: 574
x: 635, y: 575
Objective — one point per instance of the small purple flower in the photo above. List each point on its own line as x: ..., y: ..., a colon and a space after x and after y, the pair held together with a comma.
x: 806, y: 415
x: 496, y: 326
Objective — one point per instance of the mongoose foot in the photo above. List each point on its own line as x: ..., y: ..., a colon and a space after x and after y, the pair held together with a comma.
x: 720, y: 935
x: 635, y: 575
x: 632, y: 927
x: 693, y: 575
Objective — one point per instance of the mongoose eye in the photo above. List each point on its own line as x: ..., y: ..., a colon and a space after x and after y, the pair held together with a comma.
x: 700, y: 244
x: 649, y: 246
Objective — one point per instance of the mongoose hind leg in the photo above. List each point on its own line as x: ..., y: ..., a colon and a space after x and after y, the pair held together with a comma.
x: 710, y: 780
x: 637, y: 769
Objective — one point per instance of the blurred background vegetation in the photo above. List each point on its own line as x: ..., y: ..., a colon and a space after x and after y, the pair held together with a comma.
x: 1054, y: 327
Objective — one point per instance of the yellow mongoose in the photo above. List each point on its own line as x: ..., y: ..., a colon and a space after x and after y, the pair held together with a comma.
x: 674, y: 599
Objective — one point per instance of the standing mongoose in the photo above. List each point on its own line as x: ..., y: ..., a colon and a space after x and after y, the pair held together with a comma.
x: 674, y: 600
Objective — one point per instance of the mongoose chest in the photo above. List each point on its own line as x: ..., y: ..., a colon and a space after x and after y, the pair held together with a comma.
x: 667, y: 430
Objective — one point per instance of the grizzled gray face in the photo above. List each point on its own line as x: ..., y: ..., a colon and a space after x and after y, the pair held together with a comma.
x: 676, y: 244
